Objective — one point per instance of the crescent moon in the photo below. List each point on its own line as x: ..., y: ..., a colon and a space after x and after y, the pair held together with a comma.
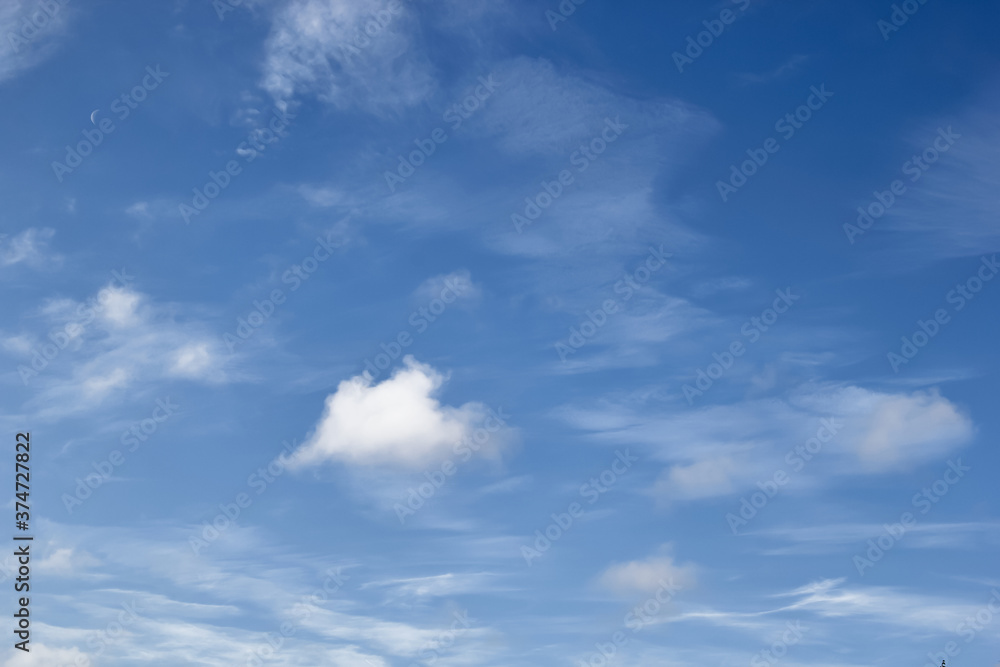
x: 93, y: 115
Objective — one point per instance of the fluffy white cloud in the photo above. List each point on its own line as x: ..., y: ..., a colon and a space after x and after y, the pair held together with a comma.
x: 349, y: 53
x: 398, y: 422
x: 647, y: 576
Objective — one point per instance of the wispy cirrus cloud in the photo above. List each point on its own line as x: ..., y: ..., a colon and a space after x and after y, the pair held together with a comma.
x: 80, y: 353
x: 719, y: 450
x: 30, y: 247
x: 353, y: 55
x: 31, y: 33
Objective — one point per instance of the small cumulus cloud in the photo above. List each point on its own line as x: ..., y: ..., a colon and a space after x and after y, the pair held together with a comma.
x: 451, y: 287
x: 701, y: 479
x: 902, y: 430
x: 398, y: 422
x: 648, y: 575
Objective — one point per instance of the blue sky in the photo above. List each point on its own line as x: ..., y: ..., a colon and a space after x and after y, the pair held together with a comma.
x: 503, y: 333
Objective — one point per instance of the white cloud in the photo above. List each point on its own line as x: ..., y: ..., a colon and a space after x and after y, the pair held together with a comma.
x: 29, y: 34
x: 97, y: 387
x: 826, y: 538
x: 320, y: 47
x: 724, y: 449
x: 30, y: 247
x: 451, y: 287
x: 951, y: 210
x: 539, y: 109
x: 192, y: 360
x: 442, y: 585
x: 120, y: 306
x: 886, y: 432
x: 917, y: 613
x: 20, y: 344
x: 840, y: 609
x: 114, y: 341
x: 633, y: 336
x: 66, y: 562
x: 45, y: 656
x: 702, y: 479
x: 610, y: 211
x: 398, y: 422
x: 192, y: 609
x: 647, y: 576
x: 903, y: 430
x: 326, y: 196
x: 140, y: 209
